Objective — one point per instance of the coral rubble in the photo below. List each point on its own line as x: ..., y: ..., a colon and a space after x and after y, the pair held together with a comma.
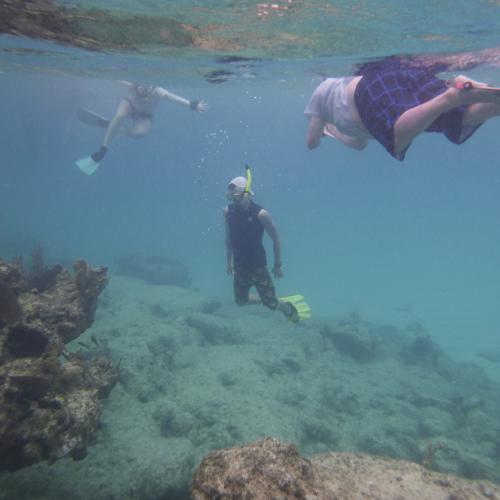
x: 49, y: 408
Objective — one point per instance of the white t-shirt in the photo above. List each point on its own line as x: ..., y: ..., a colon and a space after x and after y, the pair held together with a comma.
x: 329, y: 101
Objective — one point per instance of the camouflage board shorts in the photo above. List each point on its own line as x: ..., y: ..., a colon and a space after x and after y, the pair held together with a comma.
x: 258, y: 277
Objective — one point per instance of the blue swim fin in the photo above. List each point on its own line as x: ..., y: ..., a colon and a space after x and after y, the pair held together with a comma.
x: 87, y: 165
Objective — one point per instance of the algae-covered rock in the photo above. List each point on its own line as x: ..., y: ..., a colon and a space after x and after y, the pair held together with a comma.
x: 271, y: 469
x: 49, y: 408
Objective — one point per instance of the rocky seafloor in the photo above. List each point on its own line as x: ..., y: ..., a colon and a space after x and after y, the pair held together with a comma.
x: 198, y: 375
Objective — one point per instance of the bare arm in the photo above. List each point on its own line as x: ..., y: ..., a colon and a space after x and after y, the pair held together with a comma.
x: 229, y: 249
x: 314, y: 131
x: 127, y: 84
x: 352, y: 142
x: 272, y: 231
x: 199, y: 106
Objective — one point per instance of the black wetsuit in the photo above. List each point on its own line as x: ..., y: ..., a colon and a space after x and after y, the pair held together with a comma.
x: 249, y: 256
x: 246, y: 232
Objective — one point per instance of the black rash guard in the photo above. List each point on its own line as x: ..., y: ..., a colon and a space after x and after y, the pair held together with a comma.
x: 245, y: 234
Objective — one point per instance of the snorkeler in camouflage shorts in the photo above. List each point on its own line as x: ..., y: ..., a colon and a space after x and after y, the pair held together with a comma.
x: 245, y: 223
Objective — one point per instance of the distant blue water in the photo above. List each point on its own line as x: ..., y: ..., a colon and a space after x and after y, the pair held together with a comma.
x: 396, y: 242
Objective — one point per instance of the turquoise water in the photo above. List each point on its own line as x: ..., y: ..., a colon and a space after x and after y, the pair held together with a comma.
x: 396, y: 243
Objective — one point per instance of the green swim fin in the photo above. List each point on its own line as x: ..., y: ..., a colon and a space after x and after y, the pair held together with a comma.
x: 300, y: 308
x: 90, y: 118
x: 87, y: 165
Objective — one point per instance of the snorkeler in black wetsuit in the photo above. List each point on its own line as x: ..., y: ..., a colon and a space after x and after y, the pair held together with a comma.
x: 245, y: 223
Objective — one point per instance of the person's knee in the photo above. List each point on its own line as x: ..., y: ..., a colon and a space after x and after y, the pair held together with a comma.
x: 241, y: 301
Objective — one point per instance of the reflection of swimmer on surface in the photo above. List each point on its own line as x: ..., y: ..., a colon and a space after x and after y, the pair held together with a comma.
x: 139, y: 107
x: 278, y: 8
x: 396, y: 99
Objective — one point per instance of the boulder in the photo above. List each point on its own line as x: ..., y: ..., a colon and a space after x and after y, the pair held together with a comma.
x: 272, y: 469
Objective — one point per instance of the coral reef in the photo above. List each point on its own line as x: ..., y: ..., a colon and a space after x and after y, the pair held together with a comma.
x: 271, y: 469
x: 49, y: 408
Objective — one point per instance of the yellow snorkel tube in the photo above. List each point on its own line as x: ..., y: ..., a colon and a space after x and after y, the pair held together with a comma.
x: 249, y: 180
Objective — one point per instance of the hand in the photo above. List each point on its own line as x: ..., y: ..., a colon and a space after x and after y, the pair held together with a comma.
x: 277, y: 272
x: 329, y: 130
x: 229, y: 270
x: 202, y: 106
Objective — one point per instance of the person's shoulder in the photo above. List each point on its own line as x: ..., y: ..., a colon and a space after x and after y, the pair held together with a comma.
x: 263, y: 213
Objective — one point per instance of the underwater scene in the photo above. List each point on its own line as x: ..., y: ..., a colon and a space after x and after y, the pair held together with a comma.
x: 246, y: 244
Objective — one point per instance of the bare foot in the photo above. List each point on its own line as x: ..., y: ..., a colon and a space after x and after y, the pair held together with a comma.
x: 463, y: 82
x: 471, y: 91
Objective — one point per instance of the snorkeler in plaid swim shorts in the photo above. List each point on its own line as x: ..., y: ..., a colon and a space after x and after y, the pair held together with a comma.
x: 396, y: 99
x: 245, y: 223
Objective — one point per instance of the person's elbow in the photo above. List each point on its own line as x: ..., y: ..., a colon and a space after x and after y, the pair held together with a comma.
x: 360, y: 145
x: 312, y: 142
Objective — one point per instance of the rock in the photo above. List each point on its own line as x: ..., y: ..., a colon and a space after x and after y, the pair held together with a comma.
x: 262, y: 470
x: 421, y: 349
x: 10, y: 310
x: 48, y: 408
x: 24, y: 341
x: 271, y: 469
x: 352, y: 337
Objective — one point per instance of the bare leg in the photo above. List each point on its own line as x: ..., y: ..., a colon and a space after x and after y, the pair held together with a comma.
x: 480, y: 112
x: 414, y: 121
x: 123, y: 112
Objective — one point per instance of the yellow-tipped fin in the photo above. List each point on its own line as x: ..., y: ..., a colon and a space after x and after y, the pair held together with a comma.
x: 294, y: 299
x: 301, y: 309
